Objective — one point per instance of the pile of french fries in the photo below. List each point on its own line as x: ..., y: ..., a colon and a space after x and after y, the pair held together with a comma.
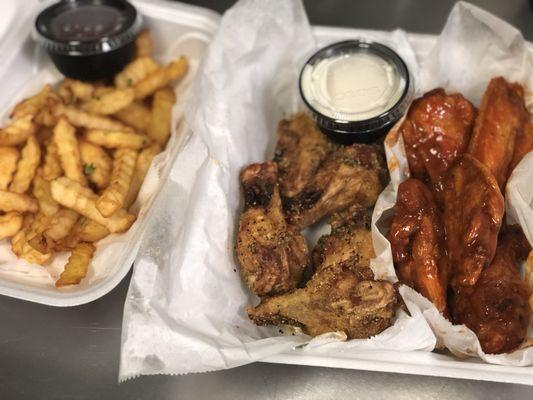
x: 73, y: 158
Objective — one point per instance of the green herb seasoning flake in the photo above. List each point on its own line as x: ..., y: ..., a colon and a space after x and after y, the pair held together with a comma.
x: 88, y: 169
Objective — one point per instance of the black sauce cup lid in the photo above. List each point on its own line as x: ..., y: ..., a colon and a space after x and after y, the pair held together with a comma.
x: 87, y: 27
x: 341, y: 125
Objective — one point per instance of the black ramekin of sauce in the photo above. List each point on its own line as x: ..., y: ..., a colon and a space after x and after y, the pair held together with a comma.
x: 356, y: 90
x: 89, y: 39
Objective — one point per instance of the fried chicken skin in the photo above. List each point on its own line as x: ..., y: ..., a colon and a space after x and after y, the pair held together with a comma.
x: 497, y: 308
x: 523, y: 145
x: 349, y: 243
x: 417, y: 242
x: 335, y: 299
x: 272, y: 254
x: 473, y: 212
x: 500, y: 121
x: 435, y: 132
x: 342, y: 294
x: 300, y: 150
x: 351, y: 174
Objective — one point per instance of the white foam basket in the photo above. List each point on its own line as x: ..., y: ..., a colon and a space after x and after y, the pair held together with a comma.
x: 177, y: 29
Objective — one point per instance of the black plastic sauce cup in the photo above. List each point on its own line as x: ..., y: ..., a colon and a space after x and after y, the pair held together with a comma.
x: 89, y: 39
x: 374, y: 128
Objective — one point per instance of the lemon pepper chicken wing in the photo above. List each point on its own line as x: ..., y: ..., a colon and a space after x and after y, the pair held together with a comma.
x: 342, y: 294
x: 352, y: 174
x: 417, y: 242
x: 436, y: 131
x: 335, y: 299
x: 473, y: 212
x: 300, y: 150
x: 272, y: 254
x: 500, y: 121
x: 497, y: 308
x: 349, y: 243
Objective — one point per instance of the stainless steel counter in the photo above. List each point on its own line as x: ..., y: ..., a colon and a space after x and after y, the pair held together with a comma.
x: 73, y: 353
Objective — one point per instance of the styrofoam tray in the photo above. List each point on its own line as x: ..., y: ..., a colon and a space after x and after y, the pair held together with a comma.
x: 415, y: 362
x: 176, y: 28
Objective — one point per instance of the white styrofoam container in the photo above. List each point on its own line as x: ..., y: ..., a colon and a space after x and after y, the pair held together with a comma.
x: 412, y: 363
x: 174, y: 26
x: 167, y: 20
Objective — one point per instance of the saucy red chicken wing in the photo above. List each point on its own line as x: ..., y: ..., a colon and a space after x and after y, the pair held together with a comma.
x: 499, y: 123
x: 417, y: 240
x: 497, y: 308
x: 435, y: 132
x: 473, y: 212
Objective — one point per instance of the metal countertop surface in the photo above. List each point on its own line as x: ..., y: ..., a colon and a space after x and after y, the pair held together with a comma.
x: 73, y: 353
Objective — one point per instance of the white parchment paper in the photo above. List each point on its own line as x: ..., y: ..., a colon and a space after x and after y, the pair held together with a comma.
x: 185, y: 310
x: 473, y: 47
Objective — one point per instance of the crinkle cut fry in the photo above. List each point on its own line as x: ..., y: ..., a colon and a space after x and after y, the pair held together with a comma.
x: 113, y: 197
x: 72, y: 195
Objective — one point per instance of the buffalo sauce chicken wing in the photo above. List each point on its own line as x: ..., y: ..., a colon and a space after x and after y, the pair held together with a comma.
x: 436, y: 131
x: 417, y: 240
x: 496, y: 308
x: 524, y: 144
x: 473, y: 212
x: 500, y: 121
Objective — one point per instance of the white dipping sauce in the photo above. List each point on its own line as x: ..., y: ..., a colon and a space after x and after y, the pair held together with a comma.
x: 352, y: 87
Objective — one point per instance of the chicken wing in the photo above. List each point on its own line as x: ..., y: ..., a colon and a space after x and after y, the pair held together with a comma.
x: 301, y: 148
x: 523, y: 145
x: 349, y: 243
x: 473, y: 212
x: 272, y: 254
x: 335, y: 299
x: 497, y: 308
x: 417, y: 242
x: 435, y: 132
x: 341, y: 295
x: 352, y: 174
x: 500, y: 121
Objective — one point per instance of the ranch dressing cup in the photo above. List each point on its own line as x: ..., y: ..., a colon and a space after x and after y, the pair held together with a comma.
x: 356, y: 90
